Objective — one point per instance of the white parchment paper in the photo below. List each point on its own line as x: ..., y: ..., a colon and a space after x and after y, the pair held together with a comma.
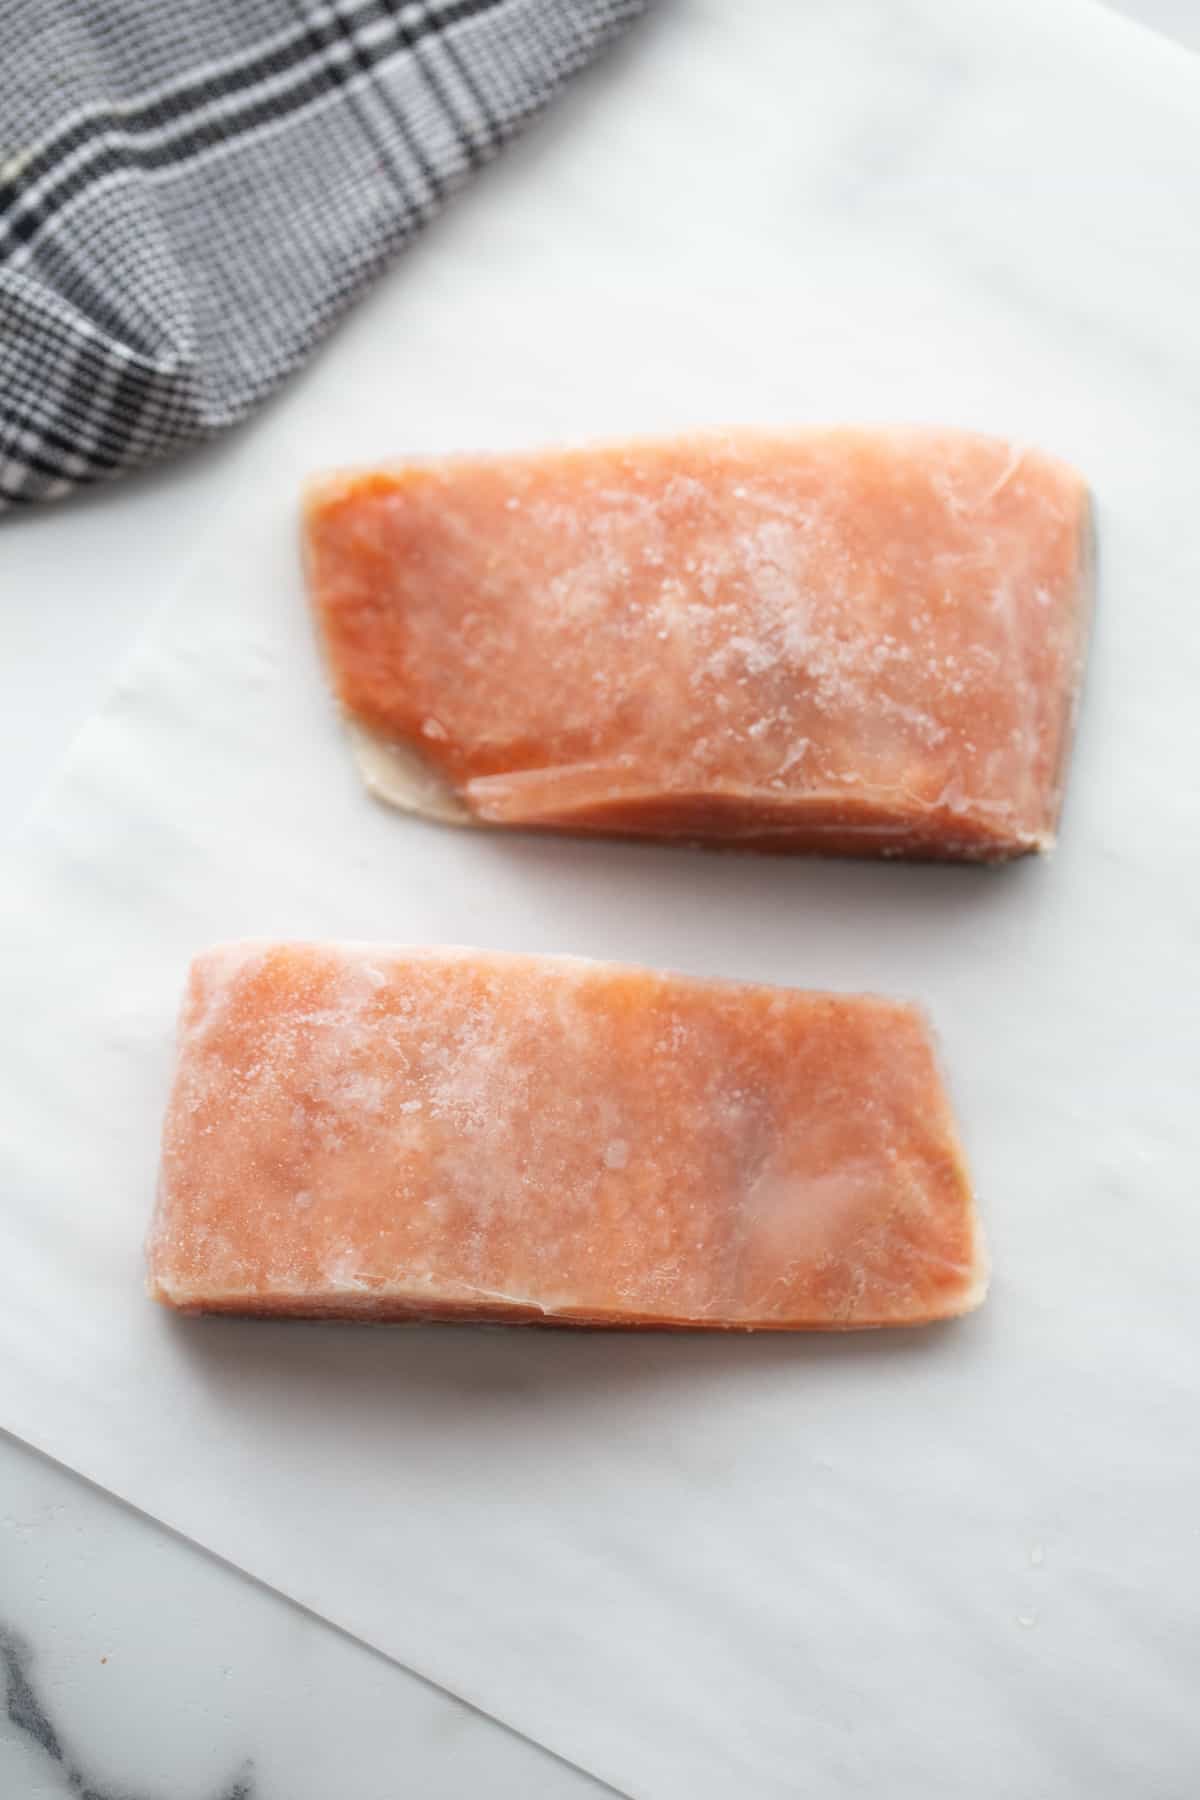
x: 955, y: 1561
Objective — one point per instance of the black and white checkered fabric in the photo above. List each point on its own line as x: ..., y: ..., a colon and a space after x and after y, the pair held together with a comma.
x: 191, y: 191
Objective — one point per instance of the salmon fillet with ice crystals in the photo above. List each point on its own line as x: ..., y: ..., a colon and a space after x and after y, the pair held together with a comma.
x: 846, y: 641
x: 370, y: 1132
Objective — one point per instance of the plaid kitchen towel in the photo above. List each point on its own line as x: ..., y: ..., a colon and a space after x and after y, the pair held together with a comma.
x: 191, y: 191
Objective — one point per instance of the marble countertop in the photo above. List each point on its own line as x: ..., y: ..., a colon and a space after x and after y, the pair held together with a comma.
x: 139, y: 1668
x: 133, y: 1664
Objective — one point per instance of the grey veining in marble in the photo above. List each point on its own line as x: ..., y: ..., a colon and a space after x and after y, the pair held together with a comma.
x: 135, y: 1667
x: 27, y: 1714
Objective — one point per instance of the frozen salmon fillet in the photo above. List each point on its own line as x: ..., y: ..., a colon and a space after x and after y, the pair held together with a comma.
x: 371, y: 1132
x: 839, y: 640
